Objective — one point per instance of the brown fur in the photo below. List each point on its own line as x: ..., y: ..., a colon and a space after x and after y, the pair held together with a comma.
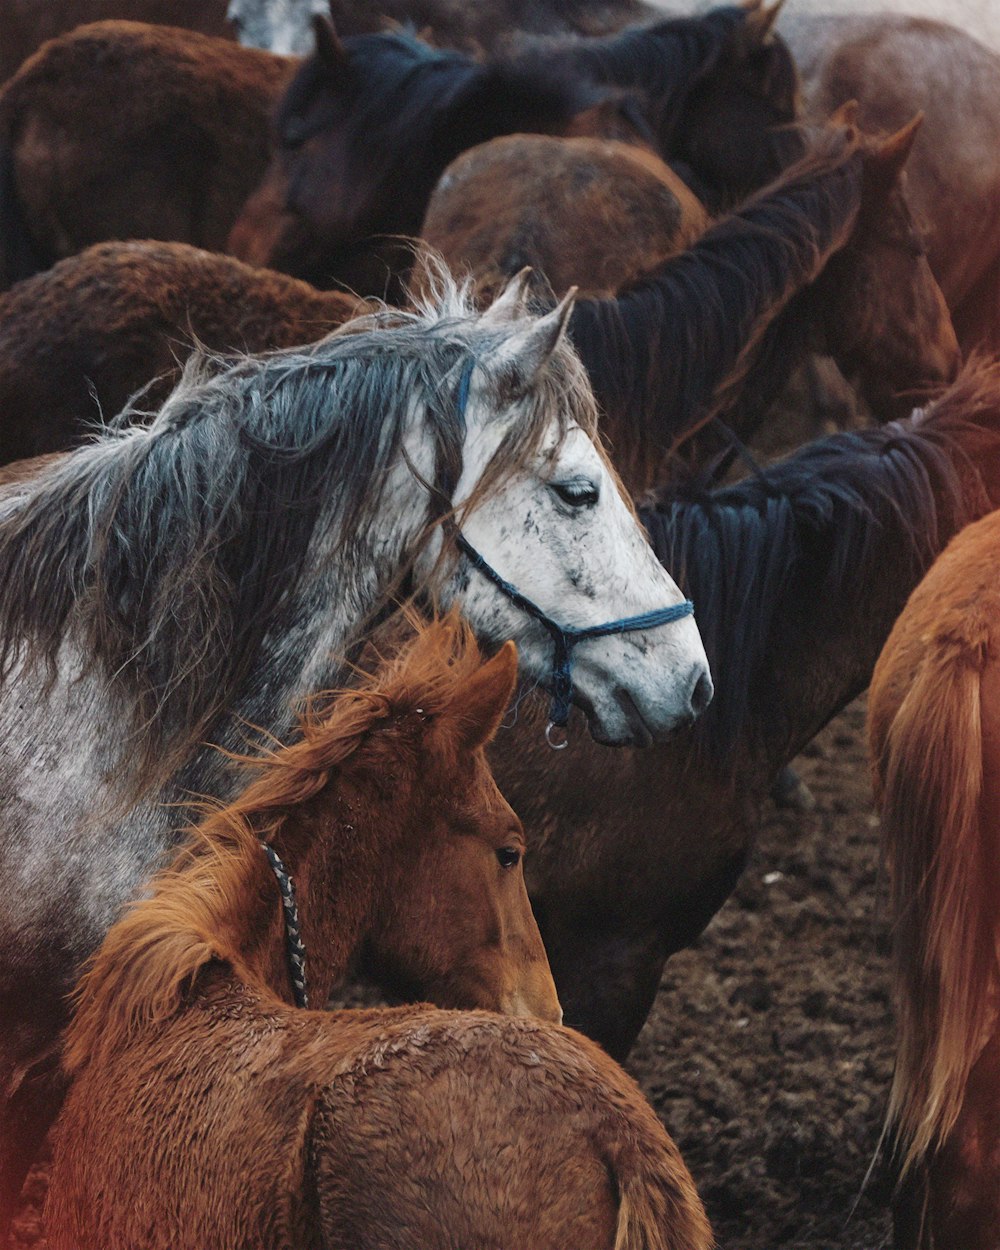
x: 895, y: 65
x: 934, y: 719
x: 589, y: 212
x: 238, y: 1120
x: 79, y: 339
x: 123, y: 130
x: 27, y: 24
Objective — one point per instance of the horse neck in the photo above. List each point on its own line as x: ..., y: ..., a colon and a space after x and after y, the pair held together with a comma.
x: 712, y: 310
x: 827, y: 632
x: 664, y: 61
x: 336, y: 847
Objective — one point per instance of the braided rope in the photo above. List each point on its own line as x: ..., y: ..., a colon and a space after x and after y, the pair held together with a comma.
x: 294, y: 946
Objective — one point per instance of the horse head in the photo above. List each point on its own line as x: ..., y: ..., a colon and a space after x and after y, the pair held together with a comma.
x: 735, y: 125
x: 452, y: 920
x: 887, y: 313
x: 555, y: 548
x: 363, y: 133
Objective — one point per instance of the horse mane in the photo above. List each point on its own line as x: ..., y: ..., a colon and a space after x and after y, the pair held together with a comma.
x: 172, y: 548
x: 202, y: 908
x: 664, y: 61
x: 674, y: 348
x: 822, y: 517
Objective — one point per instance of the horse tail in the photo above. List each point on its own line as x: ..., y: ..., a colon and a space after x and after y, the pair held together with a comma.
x: 944, y: 861
x: 658, y: 1205
x: 19, y: 255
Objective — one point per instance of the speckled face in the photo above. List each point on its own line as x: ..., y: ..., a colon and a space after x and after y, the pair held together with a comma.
x: 566, y: 538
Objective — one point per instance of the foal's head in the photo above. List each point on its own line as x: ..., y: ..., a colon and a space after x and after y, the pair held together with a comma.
x: 449, y: 917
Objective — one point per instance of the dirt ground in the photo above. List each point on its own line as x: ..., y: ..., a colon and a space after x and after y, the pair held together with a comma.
x: 768, y: 1050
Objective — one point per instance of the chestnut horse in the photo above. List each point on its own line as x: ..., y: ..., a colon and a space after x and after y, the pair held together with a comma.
x: 124, y: 130
x: 206, y: 1111
x: 26, y: 24
x: 369, y: 124
x: 894, y: 65
x: 934, y: 725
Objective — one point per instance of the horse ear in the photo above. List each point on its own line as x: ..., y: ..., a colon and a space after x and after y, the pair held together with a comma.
x: 846, y: 115
x: 760, y: 21
x: 890, y: 155
x: 510, y: 304
x: 480, y: 704
x: 329, y: 49
x: 526, y: 353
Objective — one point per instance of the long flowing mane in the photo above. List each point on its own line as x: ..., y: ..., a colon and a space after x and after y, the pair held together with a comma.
x: 202, y: 907
x: 822, y: 518
x: 165, y: 552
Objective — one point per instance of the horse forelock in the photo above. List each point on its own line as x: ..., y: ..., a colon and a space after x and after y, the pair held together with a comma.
x: 208, y: 903
x: 167, y: 552
x: 742, y: 551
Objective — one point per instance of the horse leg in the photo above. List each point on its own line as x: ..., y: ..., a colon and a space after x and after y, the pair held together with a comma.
x: 30, y: 1099
x: 964, y: 1175
x: 607, y: 980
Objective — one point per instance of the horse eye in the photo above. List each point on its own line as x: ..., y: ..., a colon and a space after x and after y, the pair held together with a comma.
x: 508, y: 856
x: 578, y: 492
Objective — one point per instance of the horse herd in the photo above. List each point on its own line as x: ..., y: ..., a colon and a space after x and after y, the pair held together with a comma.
x: 254, y: 530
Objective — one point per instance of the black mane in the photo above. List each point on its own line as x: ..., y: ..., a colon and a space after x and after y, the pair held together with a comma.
x: 676, y: 347
x: 797, y: 542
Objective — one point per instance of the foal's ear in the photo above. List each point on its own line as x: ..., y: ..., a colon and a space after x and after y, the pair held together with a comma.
x: 525, y: 353
x: 480, y: 705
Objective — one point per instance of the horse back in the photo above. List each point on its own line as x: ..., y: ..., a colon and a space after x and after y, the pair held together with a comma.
x: 126, y: 130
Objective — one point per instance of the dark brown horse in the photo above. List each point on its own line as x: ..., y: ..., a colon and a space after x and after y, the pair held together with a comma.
x: 370, y: 122
x: 207, y: 1112
x: 79, y: 339
x: 895, y: 65
x: 798, y: 576
x: 123, y: 130
x: 26, y: 24
x: 934, y: 723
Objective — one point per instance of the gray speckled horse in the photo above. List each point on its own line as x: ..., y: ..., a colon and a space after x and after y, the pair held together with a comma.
x: 173, y: 582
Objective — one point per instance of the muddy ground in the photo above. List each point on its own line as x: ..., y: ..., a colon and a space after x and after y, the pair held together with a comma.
x: 768, y: 1050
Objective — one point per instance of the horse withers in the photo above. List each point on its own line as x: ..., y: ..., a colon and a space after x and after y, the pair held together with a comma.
x: 178, y: 579
x: 934, y: 723
x: 206, y: 1111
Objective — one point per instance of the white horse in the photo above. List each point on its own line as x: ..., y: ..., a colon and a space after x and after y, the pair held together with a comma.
x: 173, y: 583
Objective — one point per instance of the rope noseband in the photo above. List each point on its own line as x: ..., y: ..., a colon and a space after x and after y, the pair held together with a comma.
x: 294, y: 948
x: 564, y: 637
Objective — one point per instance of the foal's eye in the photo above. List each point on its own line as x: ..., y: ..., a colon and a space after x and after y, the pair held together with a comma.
x: 508, y: 856
x: 578, y: 492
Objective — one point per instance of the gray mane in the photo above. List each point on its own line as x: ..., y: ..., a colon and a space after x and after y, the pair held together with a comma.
x: 169, y: 549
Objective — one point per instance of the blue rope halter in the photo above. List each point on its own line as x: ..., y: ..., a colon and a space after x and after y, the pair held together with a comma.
x: 564, y: 637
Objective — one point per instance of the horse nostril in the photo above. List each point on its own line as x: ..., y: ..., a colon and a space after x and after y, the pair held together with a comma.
x: 701, y: 695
